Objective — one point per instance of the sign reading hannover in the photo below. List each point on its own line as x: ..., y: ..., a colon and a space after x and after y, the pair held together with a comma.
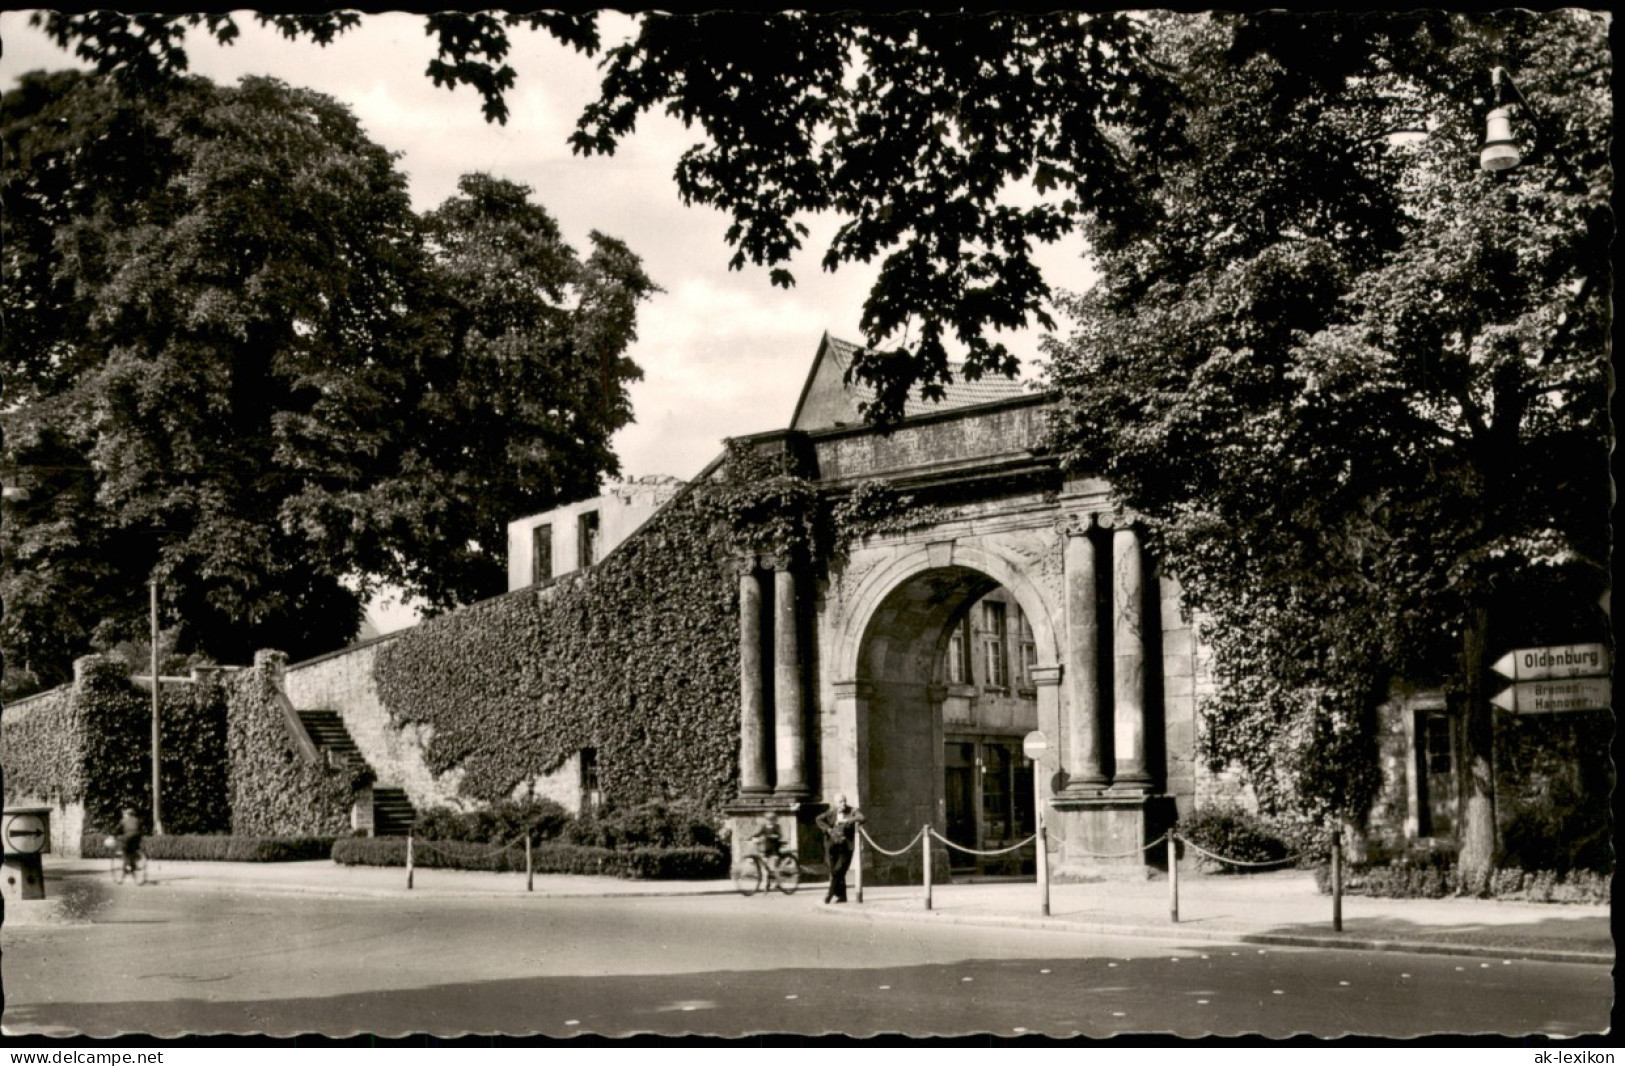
x: 1550, y: 697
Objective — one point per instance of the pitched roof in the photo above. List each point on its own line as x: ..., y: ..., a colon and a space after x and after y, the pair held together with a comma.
x: 827, y: 400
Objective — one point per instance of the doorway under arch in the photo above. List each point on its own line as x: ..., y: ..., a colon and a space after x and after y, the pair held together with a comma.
x: 948, y: 659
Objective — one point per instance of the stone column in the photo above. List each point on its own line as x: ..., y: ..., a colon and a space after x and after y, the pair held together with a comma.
x: 752, y: 705
x: 789, y: 731
x: 852, y: 730
x: 1085, y: 727
x: 1128, y: 638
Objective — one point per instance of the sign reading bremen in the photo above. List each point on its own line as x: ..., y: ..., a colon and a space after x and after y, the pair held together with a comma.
x: 1550, y: 697
x: 1562, y: 660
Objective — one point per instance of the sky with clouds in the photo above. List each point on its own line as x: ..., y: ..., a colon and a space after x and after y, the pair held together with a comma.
x: 723, y: 352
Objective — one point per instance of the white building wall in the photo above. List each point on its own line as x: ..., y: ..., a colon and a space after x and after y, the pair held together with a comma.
x: 622, y: 508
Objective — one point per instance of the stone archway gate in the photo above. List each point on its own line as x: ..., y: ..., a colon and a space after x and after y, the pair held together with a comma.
x: 840, y: 659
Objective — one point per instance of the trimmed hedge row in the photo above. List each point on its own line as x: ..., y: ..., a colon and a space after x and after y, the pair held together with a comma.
x: 183, y: 848
x: 649, y: 864
x: 1403, y: 881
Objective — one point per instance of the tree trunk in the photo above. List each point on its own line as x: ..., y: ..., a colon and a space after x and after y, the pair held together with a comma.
x: 1479, y: 836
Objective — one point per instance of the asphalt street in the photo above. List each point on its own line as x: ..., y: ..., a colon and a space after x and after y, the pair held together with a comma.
x: 157, y: 960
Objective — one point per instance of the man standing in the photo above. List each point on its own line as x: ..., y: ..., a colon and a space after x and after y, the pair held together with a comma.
x: 840, y: 825
x: 129, y: 828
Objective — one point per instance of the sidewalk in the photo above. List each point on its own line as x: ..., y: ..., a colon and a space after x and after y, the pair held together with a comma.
x: 1281, y: 908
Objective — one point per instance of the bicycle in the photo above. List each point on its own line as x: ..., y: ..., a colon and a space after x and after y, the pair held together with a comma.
x: 752, y: 873
x: 139, y: 874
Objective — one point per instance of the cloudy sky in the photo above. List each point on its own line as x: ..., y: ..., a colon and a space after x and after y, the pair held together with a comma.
x: 723, y: 353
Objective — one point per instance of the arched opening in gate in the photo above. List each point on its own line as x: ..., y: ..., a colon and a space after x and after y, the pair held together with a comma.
x: 949, y: 657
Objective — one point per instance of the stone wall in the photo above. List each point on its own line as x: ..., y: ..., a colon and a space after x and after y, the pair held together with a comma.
x: 343, y: 682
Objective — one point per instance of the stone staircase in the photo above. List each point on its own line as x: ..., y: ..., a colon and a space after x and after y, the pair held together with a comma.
x: 392, y: 813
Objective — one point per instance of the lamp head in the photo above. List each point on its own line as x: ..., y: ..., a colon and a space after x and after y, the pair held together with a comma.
x: 1500, y: 149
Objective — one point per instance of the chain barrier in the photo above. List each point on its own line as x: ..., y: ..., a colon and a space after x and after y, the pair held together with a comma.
x: 973, y: 851
x: 424, y: 845
x: 1234, y: 862
x: 904, y: 850
x: 1120, y: 854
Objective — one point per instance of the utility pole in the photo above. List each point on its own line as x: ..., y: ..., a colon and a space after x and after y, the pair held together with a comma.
x: 157, y: 817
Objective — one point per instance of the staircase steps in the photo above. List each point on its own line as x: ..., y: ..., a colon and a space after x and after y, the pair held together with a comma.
x: 392, y: 813
x: 326, y: 730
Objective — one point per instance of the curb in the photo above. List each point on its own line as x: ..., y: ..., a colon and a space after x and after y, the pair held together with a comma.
x: 1296, y: 940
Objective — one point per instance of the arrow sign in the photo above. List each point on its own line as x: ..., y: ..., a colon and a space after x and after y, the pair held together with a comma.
x: 1558, y: 660
x: 25, y: 833
x: 1551, y: 697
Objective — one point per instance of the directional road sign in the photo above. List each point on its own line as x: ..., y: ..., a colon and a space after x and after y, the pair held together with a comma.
x: 24, y: 833
x: 1550, y: 697
x: 1559, y: 660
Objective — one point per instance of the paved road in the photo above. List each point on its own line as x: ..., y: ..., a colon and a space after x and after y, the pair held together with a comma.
x: 163, y: 961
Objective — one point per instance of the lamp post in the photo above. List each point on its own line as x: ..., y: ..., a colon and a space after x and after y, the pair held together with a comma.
x: 157, y: 816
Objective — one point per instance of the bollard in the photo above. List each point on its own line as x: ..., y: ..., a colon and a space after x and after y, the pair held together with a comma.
x: 925, y: 845
x: 1173, y: 880
x: 857, y: 864
x: 1043, y: 867
x: 409, y: 861
x: 1043, y: 838
x: 530, y: 869
x: 1337, y: 880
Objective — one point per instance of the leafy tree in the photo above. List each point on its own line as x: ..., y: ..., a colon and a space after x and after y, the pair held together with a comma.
x: 236, y: 361
x: 928, y: 134
x: 1355, y: 386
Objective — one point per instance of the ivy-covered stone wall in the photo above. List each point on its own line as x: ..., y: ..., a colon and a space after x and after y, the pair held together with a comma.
x: 1554, y: 790
x: 90, y: 743
x: 636, y: 658
x: 275, y: 788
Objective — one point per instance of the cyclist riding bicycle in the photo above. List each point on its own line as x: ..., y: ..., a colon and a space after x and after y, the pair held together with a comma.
x: 768, y: 839
x: 129, y: 830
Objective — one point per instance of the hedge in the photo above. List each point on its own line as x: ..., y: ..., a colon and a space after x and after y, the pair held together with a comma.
x: 1235, y: 833
x: 183, y: 848
x: 694, y: 863
x: 1432, y: 881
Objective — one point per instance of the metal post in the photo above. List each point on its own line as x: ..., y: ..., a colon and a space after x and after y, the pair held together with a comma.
x: 857, y: 864
x: 1042, y: 842
x: 925, y: 850
x: 1173, y: 880
x: 409, y: 860
x: 530, y: 869
x: 157, y: 810
x: 1337, y: 880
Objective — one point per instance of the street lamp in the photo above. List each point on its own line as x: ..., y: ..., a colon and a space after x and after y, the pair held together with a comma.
x: 1500, y: 147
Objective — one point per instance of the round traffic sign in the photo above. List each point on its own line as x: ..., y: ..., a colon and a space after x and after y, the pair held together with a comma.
x: 1034, y: 744
x: 25, y: 833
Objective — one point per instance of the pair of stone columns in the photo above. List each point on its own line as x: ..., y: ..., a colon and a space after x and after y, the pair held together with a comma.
x: 1085, y: 749
x: 789, y: 747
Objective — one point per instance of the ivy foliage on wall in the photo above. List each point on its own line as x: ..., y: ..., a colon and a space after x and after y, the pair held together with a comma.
x: 42, y: 748
x: 637, y: 657
x: 91, y: 742
x: 273, y: 790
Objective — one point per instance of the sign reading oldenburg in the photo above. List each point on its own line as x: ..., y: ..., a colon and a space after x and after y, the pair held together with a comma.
x: 1561, y: 660
x: 1550, y: 697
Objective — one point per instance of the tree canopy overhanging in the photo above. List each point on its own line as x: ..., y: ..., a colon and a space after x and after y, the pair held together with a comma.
x: 237, y: 362
x: 1355, y: 386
